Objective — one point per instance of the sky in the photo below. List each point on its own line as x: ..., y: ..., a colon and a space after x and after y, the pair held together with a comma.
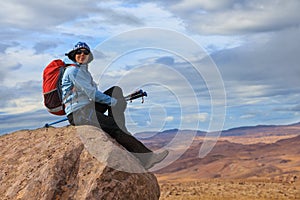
x: 205, y: 65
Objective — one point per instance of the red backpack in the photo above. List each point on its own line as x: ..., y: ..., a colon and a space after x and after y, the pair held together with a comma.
x: 52, y: 91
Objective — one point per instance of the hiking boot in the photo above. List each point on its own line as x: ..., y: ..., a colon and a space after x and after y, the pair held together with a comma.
x: 156, y: 158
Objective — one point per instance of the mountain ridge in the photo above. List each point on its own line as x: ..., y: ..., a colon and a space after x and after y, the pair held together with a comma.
x: 237, y: 131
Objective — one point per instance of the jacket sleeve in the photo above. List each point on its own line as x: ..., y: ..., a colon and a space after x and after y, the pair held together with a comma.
x: 83, y: 81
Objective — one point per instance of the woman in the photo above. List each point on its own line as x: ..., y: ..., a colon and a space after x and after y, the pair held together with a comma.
x: 86, y: 105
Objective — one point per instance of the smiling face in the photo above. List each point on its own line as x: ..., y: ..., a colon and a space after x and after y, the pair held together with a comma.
x: 82, y: 56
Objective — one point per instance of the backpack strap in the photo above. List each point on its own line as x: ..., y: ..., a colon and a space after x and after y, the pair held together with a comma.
x: 63, y: 70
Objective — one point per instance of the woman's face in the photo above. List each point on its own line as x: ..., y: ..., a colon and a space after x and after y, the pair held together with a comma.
x: 82, y: 56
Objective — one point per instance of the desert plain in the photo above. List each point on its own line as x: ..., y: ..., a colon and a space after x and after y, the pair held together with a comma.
x: 260, y: 163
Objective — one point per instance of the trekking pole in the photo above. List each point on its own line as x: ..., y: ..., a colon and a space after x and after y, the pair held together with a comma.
x: 56, y: 122
x: 130, y: 97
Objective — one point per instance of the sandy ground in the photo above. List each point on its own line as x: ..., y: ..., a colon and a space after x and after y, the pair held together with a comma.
x: 215, y: 189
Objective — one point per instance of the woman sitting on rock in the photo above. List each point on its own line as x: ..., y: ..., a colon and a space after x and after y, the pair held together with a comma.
x: 86, y: 105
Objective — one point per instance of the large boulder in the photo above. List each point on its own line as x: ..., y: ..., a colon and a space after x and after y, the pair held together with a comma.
x: 70, y: 163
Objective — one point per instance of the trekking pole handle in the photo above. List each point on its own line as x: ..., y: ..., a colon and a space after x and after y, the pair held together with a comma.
x: 135, y: 95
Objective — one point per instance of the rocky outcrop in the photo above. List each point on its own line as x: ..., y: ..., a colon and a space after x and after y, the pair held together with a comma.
x: 70, y: 163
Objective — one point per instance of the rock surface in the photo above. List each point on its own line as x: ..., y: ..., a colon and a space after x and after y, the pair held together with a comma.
x: 70, y: 163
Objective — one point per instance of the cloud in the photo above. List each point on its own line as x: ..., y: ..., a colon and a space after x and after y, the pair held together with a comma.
x: 28, y: 16
x: 195, y: 118
x: 113, y: 13
x: 42, y: 46
x: 167, y: 60
x: 27, y: 120
x: 273, y: 63
x: 6, y: 43
x: 236, y: 16
x: 22, y: 64
x: 204, y: 5
x: 296, y: 108
x: 288, y: 108
x: 248, y: 116
x: 262, y: 78
x: 22, y: 97
x: 6, y: 95
x: 169, y: 118
x: 106, y: 18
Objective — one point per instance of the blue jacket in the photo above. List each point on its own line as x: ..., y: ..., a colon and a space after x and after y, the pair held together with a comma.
x: 79, y: 88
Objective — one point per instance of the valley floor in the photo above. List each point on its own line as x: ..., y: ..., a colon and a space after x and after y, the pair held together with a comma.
x: 216, y: 189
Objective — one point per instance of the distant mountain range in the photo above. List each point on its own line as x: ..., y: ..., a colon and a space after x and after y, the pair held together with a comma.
x: 265, y: 130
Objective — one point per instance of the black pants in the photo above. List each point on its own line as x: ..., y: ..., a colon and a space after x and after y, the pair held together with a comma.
x: 113, y: 123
